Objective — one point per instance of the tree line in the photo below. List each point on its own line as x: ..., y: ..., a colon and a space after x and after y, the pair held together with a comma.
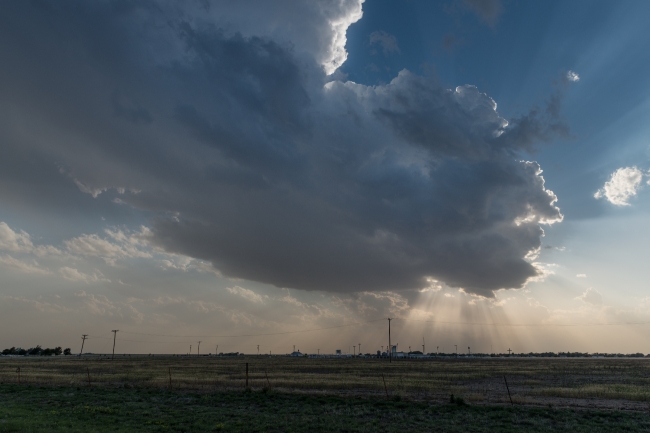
x: 37, y: 351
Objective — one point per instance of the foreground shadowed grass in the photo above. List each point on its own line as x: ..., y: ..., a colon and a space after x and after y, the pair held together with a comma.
x: 72, y: 409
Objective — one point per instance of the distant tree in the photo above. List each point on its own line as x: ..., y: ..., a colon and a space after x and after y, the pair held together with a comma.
x: 35, y: 350
x: 58, y: 351
x: 21, y: 352
x: 11, y: 351
x: 47, y: 352
x: 67, y: 352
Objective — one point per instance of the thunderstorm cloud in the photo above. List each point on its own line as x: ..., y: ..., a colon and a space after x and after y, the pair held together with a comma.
x: 224, y: 124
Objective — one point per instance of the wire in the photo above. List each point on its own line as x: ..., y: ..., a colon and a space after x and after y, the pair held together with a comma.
x: 252, y: 335
x: 526, y: 324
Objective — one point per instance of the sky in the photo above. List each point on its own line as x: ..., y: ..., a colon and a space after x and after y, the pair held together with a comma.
x: 262, y: 175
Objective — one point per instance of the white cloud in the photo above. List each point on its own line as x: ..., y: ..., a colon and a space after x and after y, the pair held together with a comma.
x: 94, y: 246
x: 246, y: 294
x: 28, y: 268
x: 572, y: 76
x: 591, y: 296
x: 581, y: 275
x: 624, y: 184
x: 14, y: 241
x: 72, y: 274
x: 20, y: 242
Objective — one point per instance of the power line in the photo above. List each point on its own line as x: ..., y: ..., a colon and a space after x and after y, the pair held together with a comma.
x: 524, y: 324
x: 253, y: 335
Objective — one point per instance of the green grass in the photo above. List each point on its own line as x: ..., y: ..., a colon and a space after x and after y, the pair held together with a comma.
x: 25, y: 408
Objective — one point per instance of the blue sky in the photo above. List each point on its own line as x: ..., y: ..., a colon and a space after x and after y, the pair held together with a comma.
x: 180, y: 168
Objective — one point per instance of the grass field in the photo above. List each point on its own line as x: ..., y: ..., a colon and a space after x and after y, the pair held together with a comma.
x: 70, y: 409
x: 289, y: 394
x: 595, y: 383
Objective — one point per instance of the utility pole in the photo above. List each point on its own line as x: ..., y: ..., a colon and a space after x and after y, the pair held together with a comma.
x: 456, y: 346
x: 217, y: 351
x: 83, y: 340
x: 437, y: 350
x: 258, y: 349
x: 423, y: 351
x: 409, y: 349
x: 390, y: 348
x: 319, y: 351
x: 190, y: 350
x: 294, y: 347
x: 114, y: 331
x: 198, y: 349
x: 468, y: 351
x: 509, y: 352
x: 359, y: 348
x: 355, y: 350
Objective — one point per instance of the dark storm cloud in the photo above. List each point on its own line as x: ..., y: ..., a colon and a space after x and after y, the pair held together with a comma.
x: 254, y: 163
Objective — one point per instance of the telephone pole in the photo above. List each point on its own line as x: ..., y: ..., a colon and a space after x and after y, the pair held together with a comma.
x: 423, y: 352
x: 83, y: 340
x: 359, y: 348
x: 390, y: 348
x: 198, y: 349
x: 456, y: 346
x: 258, y: 349
x: 114, y: 331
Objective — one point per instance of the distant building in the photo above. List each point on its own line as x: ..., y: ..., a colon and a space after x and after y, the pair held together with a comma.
x: 338, y: 351
x: 296, y: 353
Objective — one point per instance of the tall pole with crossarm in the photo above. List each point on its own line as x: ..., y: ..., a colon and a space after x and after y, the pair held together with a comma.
x: 390, y: 348
x: 83, y: 340
x: 114, y: 331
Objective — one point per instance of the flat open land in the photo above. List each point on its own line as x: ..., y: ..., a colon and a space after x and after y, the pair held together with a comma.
x: 209, y: 393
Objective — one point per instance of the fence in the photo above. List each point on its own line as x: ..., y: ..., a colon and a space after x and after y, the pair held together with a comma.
x: 477, y: 381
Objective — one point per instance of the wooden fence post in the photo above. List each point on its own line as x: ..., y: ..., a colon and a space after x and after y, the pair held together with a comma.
x: 385, y: 388
x: 508, y: 388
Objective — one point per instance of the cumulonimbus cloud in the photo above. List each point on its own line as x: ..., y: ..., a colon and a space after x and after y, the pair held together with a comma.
x: 254, y: 160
